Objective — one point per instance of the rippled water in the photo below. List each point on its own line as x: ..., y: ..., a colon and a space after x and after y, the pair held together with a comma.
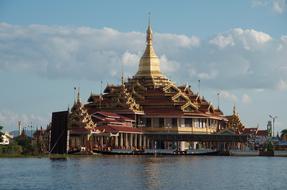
x: 144, y: 172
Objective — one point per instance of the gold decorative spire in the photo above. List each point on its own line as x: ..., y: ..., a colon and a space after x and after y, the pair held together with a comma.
x: 122, y: 74
x: 78, y: 95
x: 149, y: 62
x: 234, y: 110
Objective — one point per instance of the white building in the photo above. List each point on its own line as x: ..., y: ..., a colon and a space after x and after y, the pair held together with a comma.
x: 6, y: 137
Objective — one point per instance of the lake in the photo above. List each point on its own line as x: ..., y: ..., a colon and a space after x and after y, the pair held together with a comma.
x: 144, y: 172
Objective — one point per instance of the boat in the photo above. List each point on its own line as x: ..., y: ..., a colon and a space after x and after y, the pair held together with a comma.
x: 244, y: 152
x: 159, y: 152
x: 203, y: 151
x: 280, y: 148
x: 282, y: 153
x: 120, y: 152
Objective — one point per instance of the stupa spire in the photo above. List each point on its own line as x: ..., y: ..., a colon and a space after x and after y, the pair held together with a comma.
x: 149, y: 63
x: 234, y: 109
x: 149, y: 32
x: 78, y: 95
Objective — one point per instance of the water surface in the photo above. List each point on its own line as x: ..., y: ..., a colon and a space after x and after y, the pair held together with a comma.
x: 144, y: 172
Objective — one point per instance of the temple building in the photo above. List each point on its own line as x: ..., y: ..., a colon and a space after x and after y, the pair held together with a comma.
x: 256, y: 137
x: 156, y: 103
x: 80, y: 126
x: 147, y: 111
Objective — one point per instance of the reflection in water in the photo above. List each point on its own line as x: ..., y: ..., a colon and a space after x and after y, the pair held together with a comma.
x: 151, y: 173
x: 143, y: 172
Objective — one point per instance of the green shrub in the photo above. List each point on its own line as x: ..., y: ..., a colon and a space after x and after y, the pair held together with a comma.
x: 10, y: 149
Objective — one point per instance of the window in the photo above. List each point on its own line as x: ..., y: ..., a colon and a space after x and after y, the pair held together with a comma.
x: 188, y: 122
x: 148, y: 122
x: 161, y: 122
x: 203, y: 123
x: 174, y: 122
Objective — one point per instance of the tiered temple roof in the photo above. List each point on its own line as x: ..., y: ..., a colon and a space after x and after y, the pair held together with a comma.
x: 234, y: 121
x: 79, y: 118
x: 235, y: 124
x: 150, y: 93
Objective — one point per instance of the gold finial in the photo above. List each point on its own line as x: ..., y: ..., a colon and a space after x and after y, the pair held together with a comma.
x: 149, y: 63
x: 149, y: 31
x: 149, y: 13
x: 122, y: 73
x: 75, y: 94
x: 78, y: 95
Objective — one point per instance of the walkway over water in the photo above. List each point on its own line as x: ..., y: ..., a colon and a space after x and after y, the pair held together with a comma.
x: 197, y: 137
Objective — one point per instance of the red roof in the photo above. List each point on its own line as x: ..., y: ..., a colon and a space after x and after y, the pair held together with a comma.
x: 108, y: 114
x: 262, y: 133
x: 79, y: 130
x: 250, y: 131
x: 116, y: 129
x: 112, y: 116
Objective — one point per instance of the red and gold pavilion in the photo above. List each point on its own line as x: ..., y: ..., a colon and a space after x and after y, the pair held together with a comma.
x: 155, y: 104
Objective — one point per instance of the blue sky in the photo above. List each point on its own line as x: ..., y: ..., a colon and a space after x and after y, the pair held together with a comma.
x: 237, y: 48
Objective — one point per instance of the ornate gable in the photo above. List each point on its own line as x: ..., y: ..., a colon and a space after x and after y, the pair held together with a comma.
x: 79, y: 117
x: 124, y: 99
x: 234, y: 121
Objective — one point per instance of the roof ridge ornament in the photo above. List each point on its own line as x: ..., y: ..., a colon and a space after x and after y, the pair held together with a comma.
x: 78, y: 95
x: 149, y: 65
x: 149, y: 32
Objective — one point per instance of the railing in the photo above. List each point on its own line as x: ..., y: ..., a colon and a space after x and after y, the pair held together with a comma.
x: 181, y: 130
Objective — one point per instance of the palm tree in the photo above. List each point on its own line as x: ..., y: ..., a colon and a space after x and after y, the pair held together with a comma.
x: 283, y: 132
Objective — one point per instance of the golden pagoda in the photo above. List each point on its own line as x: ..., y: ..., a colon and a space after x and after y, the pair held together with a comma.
x: 157, y: 104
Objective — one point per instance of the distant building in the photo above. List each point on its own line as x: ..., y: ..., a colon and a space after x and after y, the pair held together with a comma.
x: 6, y: 138
x: 256, y: 138
x: 40, y: 140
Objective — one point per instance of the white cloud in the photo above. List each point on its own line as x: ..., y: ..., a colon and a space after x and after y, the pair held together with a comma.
x: 248, y: 38
x: 179, y: 40
x: 246, y: 99
x: 204, y: 75
x: 222, y: 41
x: 9, y: 120
x: 238, y: 58
x: 228, y: 95
x: 257, y: 3
x: 281, y: 85
x: 130, y: 59
x: 279, y: 6
x: 168, y: 66
x: 284, y: 39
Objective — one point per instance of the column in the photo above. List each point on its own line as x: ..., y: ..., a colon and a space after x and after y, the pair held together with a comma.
x: 131, y: 141
x: 147, y: 142
x: 126, y: 140
x: 140, y: 140
x: 144, y: 141
x: 102, y: 141
x: 68, y: 140
x: 121, y: 140
x: 116, y: 141
x: 136, y: 140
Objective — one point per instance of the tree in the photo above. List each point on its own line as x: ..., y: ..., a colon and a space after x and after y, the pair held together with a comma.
x: 1, y: 133
x: 283, y: 132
